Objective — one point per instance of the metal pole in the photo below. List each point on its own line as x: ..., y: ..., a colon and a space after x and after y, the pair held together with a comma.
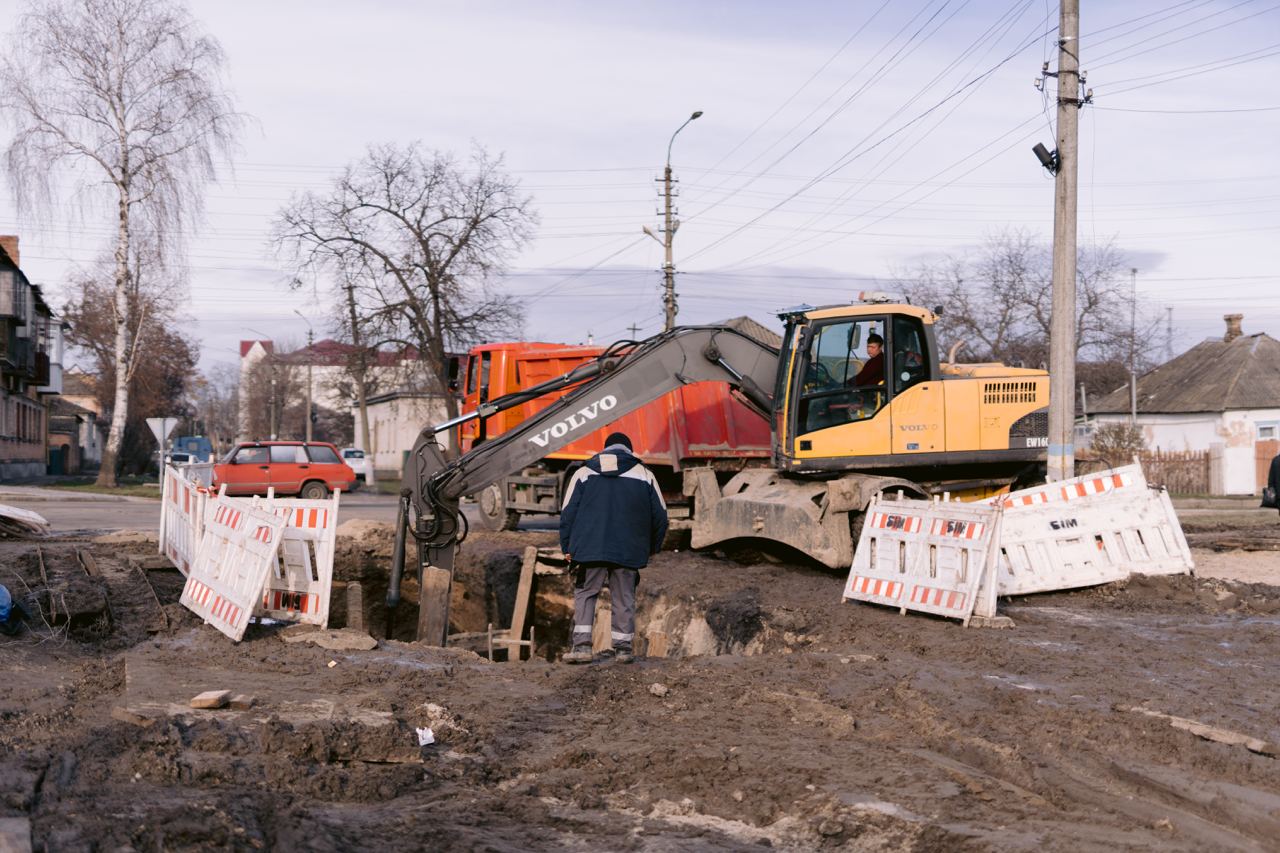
x: 668, y: 265
x: 1062, y: 331
x: 668, y: 235
x: 310, y: 358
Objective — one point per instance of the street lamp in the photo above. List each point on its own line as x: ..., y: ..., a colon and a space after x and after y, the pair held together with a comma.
x: 310, y: 357
x: 668, y: 266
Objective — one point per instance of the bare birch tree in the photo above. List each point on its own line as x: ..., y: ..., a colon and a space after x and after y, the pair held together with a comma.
x: 126, y: 98
x: 433, y: 238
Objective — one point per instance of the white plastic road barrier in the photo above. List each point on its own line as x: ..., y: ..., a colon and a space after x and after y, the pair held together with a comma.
x: 927, y: 556
x: 1090, y: 530
x: 231, y: 564
x: 200, y: 473
x: 298, y: 586
x: 1126, y: 479
x: 182, y: 516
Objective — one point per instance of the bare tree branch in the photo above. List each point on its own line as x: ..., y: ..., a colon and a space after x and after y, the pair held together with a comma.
x: 131, y: 89
x: 415, y: 242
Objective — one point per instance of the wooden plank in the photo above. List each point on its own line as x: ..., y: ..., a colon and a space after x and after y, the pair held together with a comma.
x: 602, y: 631
x: 433, y: 605
x: 1213, y: 733
x: 89, y: 563
x: 524, y: 593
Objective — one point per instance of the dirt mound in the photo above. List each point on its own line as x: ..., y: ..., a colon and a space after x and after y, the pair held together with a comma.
x: 780, y: 717
x: 1176, y: 594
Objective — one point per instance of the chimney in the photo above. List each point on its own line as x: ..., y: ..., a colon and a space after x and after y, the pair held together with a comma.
x: 1233, y: 327
x: 9, y: 243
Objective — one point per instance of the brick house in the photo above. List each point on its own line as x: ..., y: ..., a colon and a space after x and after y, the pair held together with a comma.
x: 31, y: 344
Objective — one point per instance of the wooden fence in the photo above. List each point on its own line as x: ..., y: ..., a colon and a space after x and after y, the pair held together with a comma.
x: 1185, y: 472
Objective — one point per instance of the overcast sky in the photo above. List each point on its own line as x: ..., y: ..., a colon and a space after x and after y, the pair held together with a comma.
x: 841, y: 142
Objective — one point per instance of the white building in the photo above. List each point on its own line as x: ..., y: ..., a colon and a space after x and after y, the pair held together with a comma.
x: 395, y: 419
x: 330, y: 378
x: 1221, y: 397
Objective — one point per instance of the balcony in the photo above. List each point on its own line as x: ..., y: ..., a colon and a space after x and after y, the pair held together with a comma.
x: 41, y: 365
x: 18, y: 357
x: 13, y: 297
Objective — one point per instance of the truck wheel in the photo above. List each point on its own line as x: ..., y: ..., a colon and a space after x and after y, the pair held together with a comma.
x: 494, y: 514
x: 314, y: 491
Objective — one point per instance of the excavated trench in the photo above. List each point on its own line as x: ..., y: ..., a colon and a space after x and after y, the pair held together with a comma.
x: 670, y: 622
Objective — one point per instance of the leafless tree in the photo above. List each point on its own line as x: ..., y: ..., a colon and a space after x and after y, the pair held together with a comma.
x: 425, y: 239
x: 272, y: 391
x: 216, y: 404
x: 123, y: 90
x: 996, y: 302
x: 161, y: 358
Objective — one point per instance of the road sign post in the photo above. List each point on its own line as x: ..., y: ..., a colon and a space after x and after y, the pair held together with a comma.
x: 161, y: 428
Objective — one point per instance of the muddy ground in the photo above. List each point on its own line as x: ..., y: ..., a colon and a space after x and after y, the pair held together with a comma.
x: 780, y: 717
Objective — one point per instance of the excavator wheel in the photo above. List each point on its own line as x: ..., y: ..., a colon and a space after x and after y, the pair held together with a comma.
x: 494, y: 514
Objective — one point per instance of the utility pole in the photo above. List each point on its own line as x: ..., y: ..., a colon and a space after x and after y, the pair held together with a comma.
x: 634, y: 330
x: 272, y: 408
x: 670, y: 226
x: 1133, y: 349
x: 311, y: 339
x: 310, y: 356
x: 1062, y: 325
x: 1168, y: 333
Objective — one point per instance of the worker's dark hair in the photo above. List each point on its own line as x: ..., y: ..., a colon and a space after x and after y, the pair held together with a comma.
x: 618, y: 438
x: 873, y: 338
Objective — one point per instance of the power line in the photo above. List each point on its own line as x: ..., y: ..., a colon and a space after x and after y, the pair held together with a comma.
x: 849, y: 157
x: 885, y: 66
x: 1013, y: 15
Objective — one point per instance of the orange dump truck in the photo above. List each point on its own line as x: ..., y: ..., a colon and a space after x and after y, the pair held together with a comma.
x: 702, y: 424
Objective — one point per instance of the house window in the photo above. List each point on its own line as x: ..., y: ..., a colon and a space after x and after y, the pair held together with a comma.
x: 1268, y: 431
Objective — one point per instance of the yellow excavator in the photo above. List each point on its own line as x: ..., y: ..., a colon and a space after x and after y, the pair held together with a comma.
x: 859, y: 402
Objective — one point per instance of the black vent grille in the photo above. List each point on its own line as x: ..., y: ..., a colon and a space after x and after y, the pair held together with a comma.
x: 1034, y: 425
x: 1009, y: 392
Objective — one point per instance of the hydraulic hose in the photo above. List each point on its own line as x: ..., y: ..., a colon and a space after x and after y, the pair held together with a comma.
x: 397, y: 554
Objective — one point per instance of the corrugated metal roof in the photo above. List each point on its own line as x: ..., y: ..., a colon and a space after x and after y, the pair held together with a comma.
x: 1212, y: 376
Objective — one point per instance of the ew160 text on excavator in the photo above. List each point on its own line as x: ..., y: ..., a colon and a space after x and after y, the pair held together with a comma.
x: 858, y: 400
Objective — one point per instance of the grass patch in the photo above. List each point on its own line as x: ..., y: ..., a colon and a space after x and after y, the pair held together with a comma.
x: 140, y: 487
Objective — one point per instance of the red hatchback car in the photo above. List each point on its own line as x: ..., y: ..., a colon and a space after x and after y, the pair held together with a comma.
x: 308, y: 469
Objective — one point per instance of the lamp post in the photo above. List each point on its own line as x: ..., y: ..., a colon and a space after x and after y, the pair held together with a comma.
x: 670, y: 226
x: 310, y: 355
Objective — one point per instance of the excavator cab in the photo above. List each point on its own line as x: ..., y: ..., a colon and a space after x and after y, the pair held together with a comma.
x: 856, y: 377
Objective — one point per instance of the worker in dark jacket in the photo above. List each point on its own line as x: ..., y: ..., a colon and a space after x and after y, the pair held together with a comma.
x: 612, y: 520
x: 1273, y: 479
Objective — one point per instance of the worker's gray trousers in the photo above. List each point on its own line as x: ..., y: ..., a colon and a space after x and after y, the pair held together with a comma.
x: 622, y: 596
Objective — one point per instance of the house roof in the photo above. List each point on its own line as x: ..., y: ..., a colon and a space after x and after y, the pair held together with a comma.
x: 245, y: 346
x: 334, y: 353
x: 1213, y: 376
x: 77, y: 384
x: 60, y: 406
x: 754, y: 330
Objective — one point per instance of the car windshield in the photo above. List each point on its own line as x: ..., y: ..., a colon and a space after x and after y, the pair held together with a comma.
x: 353, y: 454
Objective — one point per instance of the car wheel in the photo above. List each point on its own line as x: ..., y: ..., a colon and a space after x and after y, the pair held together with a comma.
x: 314, y: 491
x: 494, y: 514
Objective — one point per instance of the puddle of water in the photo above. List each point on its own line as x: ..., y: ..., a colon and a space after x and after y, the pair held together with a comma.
x: 1021, y: 685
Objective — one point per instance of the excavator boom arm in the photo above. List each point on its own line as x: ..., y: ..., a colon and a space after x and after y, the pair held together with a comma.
x: 620, y: 381
x: 621, y: 385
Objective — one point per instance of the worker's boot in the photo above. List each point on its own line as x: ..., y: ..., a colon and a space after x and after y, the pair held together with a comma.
x: 580, y: 654
x: 623, y: 654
